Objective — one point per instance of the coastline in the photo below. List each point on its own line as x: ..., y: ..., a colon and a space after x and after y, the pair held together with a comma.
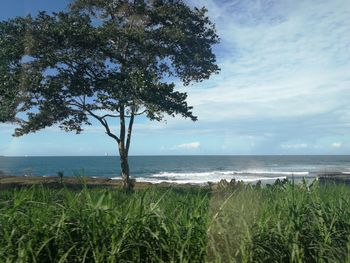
x: 8, y: 182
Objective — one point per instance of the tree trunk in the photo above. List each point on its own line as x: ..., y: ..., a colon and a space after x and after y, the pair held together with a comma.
x: 123, y: 141
x: 125, y: 172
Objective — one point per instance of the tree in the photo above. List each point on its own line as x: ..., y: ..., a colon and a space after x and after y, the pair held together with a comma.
x: 112, y: 60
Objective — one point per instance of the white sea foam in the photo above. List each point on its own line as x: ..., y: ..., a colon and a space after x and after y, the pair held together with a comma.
x: 224, y: 173
x: 217, y: 176
x: 205, y: 180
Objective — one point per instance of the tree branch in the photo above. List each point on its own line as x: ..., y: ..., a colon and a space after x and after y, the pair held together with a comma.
x: 104, y: 124
x: 99, y: 118
x: 110, y: 115
x: 138, y: 113
x: 71, y: 64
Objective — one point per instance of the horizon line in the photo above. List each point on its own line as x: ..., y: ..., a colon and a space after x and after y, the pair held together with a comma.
x: 171, y: 155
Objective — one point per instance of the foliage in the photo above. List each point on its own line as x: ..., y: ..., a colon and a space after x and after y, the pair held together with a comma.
x: 244, y: 223
x: 60, y: 174
x: 12, y: 43
x: 280, y: 223
x: 42, y: 225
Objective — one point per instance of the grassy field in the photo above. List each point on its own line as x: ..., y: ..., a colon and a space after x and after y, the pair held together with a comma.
x: 235, y: 223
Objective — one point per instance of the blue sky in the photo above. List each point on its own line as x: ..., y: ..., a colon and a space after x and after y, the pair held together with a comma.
x: 284, y: 87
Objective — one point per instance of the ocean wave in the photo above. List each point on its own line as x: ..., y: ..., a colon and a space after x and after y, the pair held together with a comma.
x: 205, y: 180
x: 217, y: 176
x: 224, y: 173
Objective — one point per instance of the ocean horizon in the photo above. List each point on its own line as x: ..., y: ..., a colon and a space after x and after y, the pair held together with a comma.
x: 196, y: 169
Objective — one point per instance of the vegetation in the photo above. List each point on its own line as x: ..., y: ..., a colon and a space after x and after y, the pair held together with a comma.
x: 281, y: 223
x: 11, y: 51
x: 41, y: 225
x: 235, y: 223
x: 104, y: 60
x: 60, y: 174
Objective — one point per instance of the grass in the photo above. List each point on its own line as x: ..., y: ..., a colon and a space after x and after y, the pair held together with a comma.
x: 42, y: 225
x: 236, y: 223
x: 281, y: 223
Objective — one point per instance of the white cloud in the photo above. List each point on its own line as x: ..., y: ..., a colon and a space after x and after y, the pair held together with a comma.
x: 337, y: 145
x: 285, y: 68
x: 188, y: 146
x: 295, y: 146
x: 282, y: 59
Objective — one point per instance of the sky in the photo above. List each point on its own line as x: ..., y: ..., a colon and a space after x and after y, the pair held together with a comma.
x: 284, y: 87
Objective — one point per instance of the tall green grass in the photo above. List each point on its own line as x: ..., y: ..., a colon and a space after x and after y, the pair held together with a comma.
x: 235, y: 223
x: 281, y: 223
x: 156, y: 225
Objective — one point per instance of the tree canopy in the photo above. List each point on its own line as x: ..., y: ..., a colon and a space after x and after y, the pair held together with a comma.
x: 11, y: 54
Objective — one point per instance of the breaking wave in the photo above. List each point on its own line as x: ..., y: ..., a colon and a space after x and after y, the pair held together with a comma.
x: 216, y: 176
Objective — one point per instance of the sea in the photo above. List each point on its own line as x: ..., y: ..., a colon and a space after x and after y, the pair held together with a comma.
x: 182, y: 169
